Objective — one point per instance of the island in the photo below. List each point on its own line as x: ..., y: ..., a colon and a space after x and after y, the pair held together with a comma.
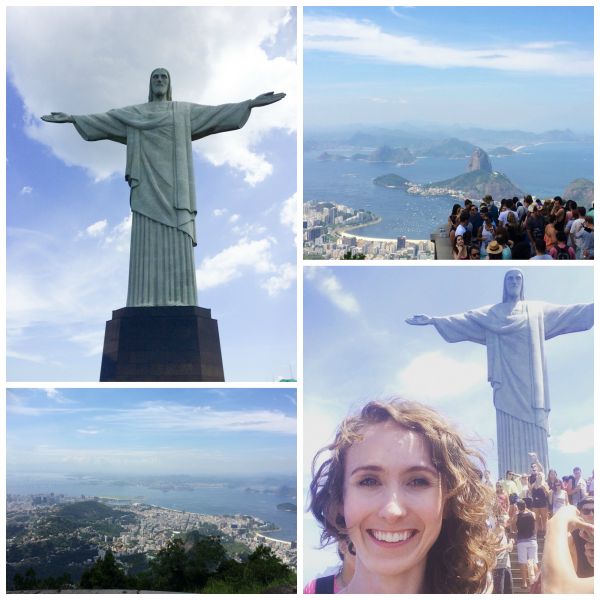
x: 479, y: 181
x: 287, y: 507
x: 391, y: 180
x: 451, y: 148
x: 500, y: 151
x: 387, y: 154
x: 384, y: 154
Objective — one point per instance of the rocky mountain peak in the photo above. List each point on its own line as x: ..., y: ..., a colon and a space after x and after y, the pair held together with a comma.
x: 480, y: 161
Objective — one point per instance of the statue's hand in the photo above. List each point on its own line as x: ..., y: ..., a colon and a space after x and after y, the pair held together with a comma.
x: 58, y: 117
x: 265, y: 99
x: 419, y: 320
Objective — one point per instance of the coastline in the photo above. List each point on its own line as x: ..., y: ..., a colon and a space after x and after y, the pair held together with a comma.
x: 374, y: 239
x: 191, y: 512
x: 344, y: 232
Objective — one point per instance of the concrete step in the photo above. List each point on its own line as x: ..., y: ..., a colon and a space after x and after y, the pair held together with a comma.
x: 515, y: 568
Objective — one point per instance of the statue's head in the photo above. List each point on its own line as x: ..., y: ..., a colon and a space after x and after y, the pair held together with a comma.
x: 159, y: 80
x: 513, y: 285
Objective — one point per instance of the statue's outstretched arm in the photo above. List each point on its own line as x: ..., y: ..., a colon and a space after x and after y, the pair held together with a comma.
x: 265, y: 99
x: 58, y: 117
x: 419, y: 320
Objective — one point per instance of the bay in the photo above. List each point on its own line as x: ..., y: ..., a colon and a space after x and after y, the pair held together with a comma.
x: 544, y: 171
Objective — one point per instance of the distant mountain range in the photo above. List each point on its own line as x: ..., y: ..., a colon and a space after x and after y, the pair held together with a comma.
x: 384, y: 154
x: 451, y: 142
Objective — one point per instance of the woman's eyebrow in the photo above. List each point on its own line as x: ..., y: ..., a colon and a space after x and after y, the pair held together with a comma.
x: 377, y: 468
x: 367, y: 468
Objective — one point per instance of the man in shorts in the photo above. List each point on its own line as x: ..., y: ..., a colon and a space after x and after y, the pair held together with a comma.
x: 527, y: 548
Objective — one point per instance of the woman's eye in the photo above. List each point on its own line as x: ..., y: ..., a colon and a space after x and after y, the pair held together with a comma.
x: 369, y: 482
x: 419, y: 482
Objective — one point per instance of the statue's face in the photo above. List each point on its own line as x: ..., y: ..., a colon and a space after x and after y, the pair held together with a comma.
x: 159, y: 82
x: 513, y: 283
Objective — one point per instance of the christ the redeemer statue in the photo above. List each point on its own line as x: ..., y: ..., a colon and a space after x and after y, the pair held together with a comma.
x: 514, y: 332
x: 160, y: 173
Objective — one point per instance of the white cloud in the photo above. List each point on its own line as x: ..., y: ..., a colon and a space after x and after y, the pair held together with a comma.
x: 574, y: 441
x: 215, y: 55
x: 88, y: 431
x: 54, y: 280
x: 544, y: 45
x: 26, y: 189
x: 380, y: 100
x: 366, y: 39
x: 17, y: 405
x: 249, y: 229
x: 95, y: 229
x: 230, y: 263
x: 332, y: 289
x: 57, y: 396
x: 282, y: 280
x: 34, y: 358
x: 288, y: 215
x: 437, y: 376
x: 182, y: 417
x: 92, y: 342
x: 119, y: 236
x: 234, y: 218
x: 219, y: 212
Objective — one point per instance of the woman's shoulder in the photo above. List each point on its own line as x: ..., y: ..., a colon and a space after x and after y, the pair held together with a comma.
x: 321, y: 585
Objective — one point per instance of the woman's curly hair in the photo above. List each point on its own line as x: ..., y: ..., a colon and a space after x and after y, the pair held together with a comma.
x: 463, y: 555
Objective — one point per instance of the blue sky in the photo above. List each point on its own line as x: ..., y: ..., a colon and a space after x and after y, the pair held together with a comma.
x: 357, y: 347
x: 152, y: 431
x: 68, y: 218
x: 496, y: 67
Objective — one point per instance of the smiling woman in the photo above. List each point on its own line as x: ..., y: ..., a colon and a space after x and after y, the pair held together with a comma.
x: 404, y: 492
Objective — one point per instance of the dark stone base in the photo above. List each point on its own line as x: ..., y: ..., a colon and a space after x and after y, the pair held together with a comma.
x: 162, y: 343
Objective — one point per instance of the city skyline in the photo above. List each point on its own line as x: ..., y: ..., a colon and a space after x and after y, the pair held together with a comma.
x: 505, y: 67
x: 68, y: 215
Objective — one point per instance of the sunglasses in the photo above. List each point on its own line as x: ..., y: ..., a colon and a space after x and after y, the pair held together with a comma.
x: 587, y: 511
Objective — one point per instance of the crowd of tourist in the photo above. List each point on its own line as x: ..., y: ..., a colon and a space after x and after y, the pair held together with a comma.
x: 527, y: 229
x: 525, y: 505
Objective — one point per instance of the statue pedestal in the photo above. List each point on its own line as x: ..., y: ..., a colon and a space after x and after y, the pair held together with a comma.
x: 162, y: 343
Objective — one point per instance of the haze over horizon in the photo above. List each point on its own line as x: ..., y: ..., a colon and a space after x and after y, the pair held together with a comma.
x: 207, y: 432
x: 528, y: 68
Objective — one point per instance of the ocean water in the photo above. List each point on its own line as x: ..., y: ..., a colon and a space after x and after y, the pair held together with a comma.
x: 209, y: 500
x: 544, y: 171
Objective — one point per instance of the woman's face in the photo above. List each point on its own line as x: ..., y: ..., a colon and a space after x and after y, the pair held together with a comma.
x: 393, y: 500
x: 459, y: 242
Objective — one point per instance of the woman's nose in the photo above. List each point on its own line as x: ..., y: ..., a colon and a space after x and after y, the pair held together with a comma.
x: 393, y: 507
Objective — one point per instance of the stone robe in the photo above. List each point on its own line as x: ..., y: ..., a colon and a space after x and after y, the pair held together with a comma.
x: 160, y: 174
x: 514, y: 336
